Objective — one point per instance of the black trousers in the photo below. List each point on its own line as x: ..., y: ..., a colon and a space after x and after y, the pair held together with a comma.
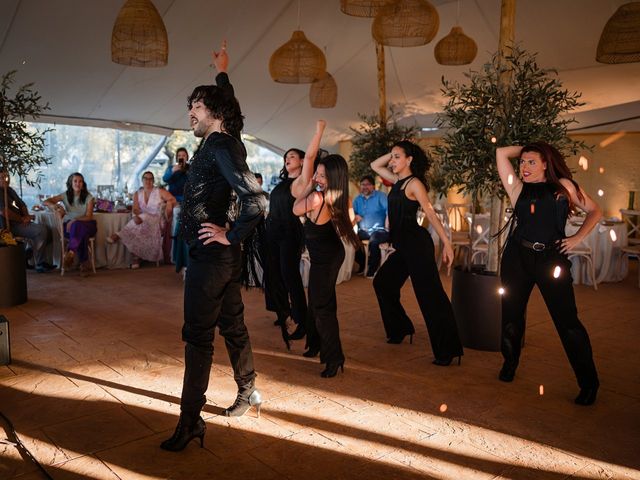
x: 415, y: 258
x: 284, y: 292
x: 212, y: 299
x: 521, y: 269
x: 322, y: 327
x: 375, y: 239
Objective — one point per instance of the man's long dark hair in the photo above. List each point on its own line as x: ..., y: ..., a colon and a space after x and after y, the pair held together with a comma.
x: 222, y: 107
x: 556, y: 168
x: 83, y: 193
x: 283, y: 173
x: 337, y: 196
x: 420, y: 163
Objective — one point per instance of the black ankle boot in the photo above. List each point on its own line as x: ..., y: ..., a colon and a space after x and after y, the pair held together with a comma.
x: 184, y: 433
x: 399, y: 339
x: 247, y: 397
x: 587, y: 396
x: 507, y: 372
x: 332, y: 369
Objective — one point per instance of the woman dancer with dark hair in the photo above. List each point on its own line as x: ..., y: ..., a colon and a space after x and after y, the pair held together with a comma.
x: 536, y: 254
x: 284, y: 292
x: 324, y: 200
x: 414, y: 256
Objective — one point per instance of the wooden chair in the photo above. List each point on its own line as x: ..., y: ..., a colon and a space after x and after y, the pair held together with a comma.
x: 64, y: 241
x: 632, y: 251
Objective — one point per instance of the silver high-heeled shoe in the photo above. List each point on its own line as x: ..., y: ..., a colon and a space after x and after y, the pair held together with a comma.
x: 244, y: 403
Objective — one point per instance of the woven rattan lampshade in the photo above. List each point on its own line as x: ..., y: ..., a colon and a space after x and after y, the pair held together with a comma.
x: 323, y: 93
x: 139, y: 38
x: 620, y: 39
x: 456, y: 48
x: 297, y: 61
x: 410, y: 23
x: 364, y: 8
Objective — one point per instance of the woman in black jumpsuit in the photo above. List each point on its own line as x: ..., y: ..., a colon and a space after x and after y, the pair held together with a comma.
x: 284, y: 293
x: 536, y: 254
x: 414, y: 256
x: 326, y: 208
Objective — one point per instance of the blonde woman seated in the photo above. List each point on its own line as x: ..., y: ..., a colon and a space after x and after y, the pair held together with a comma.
x: 143, y: 234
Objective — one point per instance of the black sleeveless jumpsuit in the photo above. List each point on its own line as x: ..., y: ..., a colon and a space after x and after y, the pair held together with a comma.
x: 541, y: 215
x: 414, y: 257
x: 326, y: 253
x: 284, y: 293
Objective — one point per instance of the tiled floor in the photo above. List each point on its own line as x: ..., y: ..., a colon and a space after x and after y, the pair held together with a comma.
x: 96, y: 375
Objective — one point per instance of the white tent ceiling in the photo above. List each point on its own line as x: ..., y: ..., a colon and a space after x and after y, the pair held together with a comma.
x: 64, y: 47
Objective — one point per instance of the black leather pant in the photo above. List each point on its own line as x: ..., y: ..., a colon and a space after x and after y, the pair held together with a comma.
x: 521, y: 269
x: 212, y: 299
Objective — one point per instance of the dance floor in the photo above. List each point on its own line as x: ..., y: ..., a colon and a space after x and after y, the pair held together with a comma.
x: 96, y: 376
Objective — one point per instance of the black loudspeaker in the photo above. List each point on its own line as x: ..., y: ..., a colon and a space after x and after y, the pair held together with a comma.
x: 5, y: 346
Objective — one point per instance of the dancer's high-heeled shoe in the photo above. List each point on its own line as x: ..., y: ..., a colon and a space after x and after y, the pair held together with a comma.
x: 399, y: 339
x: 243, y: 403
x: 587, y: 396
x: 184, y: 433
x: 445, y: 362
x: 299, y: 333
x: 507, y: 372
x: 311, y: 352
x: 332, y: 370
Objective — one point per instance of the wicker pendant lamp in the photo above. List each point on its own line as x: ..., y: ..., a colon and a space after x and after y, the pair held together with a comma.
x: 364, y: 8
x: 456, y: 48
x: 139, y: 38
x: 297, y: 61
x: 323, y: 93
x: 620, y: 39
x: 410, y: 23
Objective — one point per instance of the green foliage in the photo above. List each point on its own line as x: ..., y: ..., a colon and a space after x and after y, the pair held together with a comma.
x: 372, y: 139
x: 21, y: 146
x: 527, y: 110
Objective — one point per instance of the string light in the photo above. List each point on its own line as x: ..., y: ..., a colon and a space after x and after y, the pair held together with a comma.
x: 601, y: 169
x: 510, y: 179
x: 494, y: 139
x: 443, y: 408
x: 479, y: 229
x: 501, y: 291
x: 541, y: 389
x: 584, y: 163
x: 556, y: 272
x: 613, y: 235
x: 600, y: 192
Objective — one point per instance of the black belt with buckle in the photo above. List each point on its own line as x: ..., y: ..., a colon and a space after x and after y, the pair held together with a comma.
x: 537, y: 246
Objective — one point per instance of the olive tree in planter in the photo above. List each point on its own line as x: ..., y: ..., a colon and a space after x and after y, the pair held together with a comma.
x: 372, y: 139
x: 480, y: 115
x: 21, y: 153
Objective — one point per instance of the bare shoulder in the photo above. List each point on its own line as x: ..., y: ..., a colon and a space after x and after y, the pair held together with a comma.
x: 568, y: 184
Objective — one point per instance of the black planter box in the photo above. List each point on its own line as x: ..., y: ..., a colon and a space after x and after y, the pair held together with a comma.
x: 13, y: 275
x: 477, y: 307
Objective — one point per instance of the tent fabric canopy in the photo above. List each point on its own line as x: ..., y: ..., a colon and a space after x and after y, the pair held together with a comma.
x: 64, y: 48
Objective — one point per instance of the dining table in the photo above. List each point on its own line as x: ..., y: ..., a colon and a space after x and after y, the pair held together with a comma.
x: 107, y: 256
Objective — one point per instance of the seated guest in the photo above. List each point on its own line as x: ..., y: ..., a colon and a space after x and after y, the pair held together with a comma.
x: 78, y: 223
x: 176, y: 175
x: 22, y: 225
x: 143, y: 234
x: 370, y: 208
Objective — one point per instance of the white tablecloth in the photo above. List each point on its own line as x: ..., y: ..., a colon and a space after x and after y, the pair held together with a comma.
x: 610, y: 265
x: 345, y: 270
x: 110, y: 256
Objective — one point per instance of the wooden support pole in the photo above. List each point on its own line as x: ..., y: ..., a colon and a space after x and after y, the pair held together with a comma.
x: 382, y: 95
x: 507, y: 37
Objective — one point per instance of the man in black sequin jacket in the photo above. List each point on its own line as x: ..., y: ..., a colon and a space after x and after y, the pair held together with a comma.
x: 212, y: 295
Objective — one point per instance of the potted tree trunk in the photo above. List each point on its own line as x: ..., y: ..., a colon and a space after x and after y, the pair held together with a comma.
x: 21, y: 153
x: 484, y: 113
